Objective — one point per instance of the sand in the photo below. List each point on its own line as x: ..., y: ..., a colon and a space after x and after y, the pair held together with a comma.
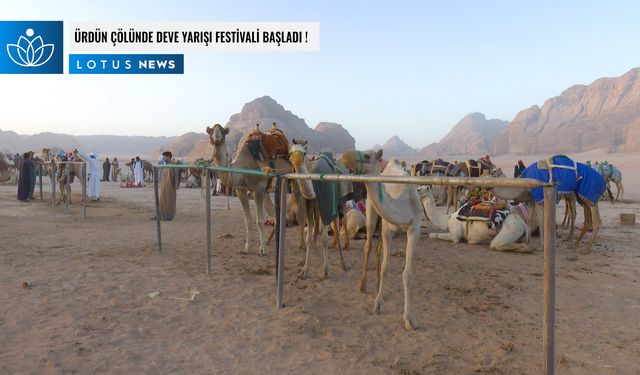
x: 87, y: 308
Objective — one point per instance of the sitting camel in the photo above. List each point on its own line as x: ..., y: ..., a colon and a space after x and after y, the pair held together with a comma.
x: 400, y: 208
x: 503, y: 237
x: 574, y: 180
x: 244, y: 183
x: 321, y: 199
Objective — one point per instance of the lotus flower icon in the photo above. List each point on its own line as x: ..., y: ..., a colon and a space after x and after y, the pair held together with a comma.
x: 30, y: 52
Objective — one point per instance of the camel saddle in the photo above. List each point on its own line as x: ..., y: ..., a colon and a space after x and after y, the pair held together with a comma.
x: 490, y: 212
x: 274, y: 143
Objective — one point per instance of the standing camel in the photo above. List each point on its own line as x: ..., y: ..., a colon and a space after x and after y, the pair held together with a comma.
x: 400, y: 208
x: 611, y: 173
x: 244, y: 183
x: 321, y: 199
x: 75, y: 171
x: 574, y: 180
x: 506, y: 237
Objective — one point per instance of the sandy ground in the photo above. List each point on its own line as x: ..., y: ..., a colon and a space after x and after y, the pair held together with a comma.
x: 88, y: 308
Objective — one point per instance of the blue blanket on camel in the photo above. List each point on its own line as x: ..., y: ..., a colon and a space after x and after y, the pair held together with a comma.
x: 569, y: 176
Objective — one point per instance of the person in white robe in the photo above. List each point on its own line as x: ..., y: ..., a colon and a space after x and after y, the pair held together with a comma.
x: 138, y: 172
x: 93, y: 174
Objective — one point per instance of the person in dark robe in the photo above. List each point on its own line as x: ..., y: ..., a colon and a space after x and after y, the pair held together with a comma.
x: 106, y: 168
x: 32, y: 173
x: 24, y: 181
x: 169, y: 182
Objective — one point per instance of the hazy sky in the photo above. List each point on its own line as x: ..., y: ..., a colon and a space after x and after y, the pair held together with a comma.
x: 411, y: 68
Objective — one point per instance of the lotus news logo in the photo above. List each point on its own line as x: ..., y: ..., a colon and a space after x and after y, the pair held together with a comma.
x: 32, y: 47
x: 32, y: 52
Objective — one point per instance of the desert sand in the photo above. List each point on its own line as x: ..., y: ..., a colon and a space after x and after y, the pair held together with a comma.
x: 89, y: 305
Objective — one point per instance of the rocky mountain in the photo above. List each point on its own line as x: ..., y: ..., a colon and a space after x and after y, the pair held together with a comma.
x: 473, y: 135
x: 326, y: 136
x: 396, y: 147
x: 185, y: 144
x: 602, y: 115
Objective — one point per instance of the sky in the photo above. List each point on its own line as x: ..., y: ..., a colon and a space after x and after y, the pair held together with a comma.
x: 384, y: 68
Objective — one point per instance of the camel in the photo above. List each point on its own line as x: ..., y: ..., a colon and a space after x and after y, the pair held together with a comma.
x: 611, y: 173
x: 244, y: 183
x: 75, y: 171
x: 470, y: 168
x: 354, y: 221
x: 513, y: 229
x: 315, y: 194
x: 400, y: 208
x: 575, y: 180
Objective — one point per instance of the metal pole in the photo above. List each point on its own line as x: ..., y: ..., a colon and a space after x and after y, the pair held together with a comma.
x: 155, y: 189
x: 41, y: 171
x: 548, y: 335
x: 54, y: 175
x: 281, y: 225
x: 68, y: 189
x: 84, y: 191
x: 208, y: 205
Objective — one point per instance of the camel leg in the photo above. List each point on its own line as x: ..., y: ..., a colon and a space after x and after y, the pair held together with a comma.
x: 258, y: 197
x: 309, y: 242
x: 378, y: 263
x: 620, y: 191
x: 242, y: 196
x: 591, y: 220
x: 337, y: 232
x: 512, y: 230
x: 334, y: 229
x: 325, y: 248
x: 386, y: 239
x: 585, y: 227
x: 565, y: 218
x: 301, y: 217
x: 413, y: 233
x: 372, y: 219
x: 571, y: 203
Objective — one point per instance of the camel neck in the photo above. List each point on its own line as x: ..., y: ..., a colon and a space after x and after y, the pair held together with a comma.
x: 381, y: 202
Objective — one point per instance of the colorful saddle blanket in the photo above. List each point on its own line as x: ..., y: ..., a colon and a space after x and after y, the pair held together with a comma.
x: 329, y: 193
x: 490, y: 212
x: 569, y: 177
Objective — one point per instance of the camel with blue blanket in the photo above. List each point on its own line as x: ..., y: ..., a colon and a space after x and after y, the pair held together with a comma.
x: 573, y: 180
x: 322, y: 199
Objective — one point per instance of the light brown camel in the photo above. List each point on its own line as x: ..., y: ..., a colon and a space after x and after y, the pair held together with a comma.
x: 244, y: 183
x: 470, y: 168
x: 400, y: 208
x: 301, y: 164
x: 508, y: 237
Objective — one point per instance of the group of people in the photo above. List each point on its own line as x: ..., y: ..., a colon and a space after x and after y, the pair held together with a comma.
x: 110, y: 169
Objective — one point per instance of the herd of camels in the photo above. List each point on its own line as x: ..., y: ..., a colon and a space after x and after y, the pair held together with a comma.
x: 390, y: 208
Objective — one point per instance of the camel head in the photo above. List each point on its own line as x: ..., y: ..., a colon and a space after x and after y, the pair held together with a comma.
x: 362, y: 162
x: 217, y: 134
x: 297, y: 152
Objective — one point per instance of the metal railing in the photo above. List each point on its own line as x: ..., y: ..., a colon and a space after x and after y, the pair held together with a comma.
x: 550, y: 193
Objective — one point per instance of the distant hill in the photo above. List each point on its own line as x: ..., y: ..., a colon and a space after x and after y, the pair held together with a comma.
x: 396, y: 147
x: 103, y: 145
x: 473, y: 135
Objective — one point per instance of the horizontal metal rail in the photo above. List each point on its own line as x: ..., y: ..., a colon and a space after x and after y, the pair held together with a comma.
x: 418, y: 180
